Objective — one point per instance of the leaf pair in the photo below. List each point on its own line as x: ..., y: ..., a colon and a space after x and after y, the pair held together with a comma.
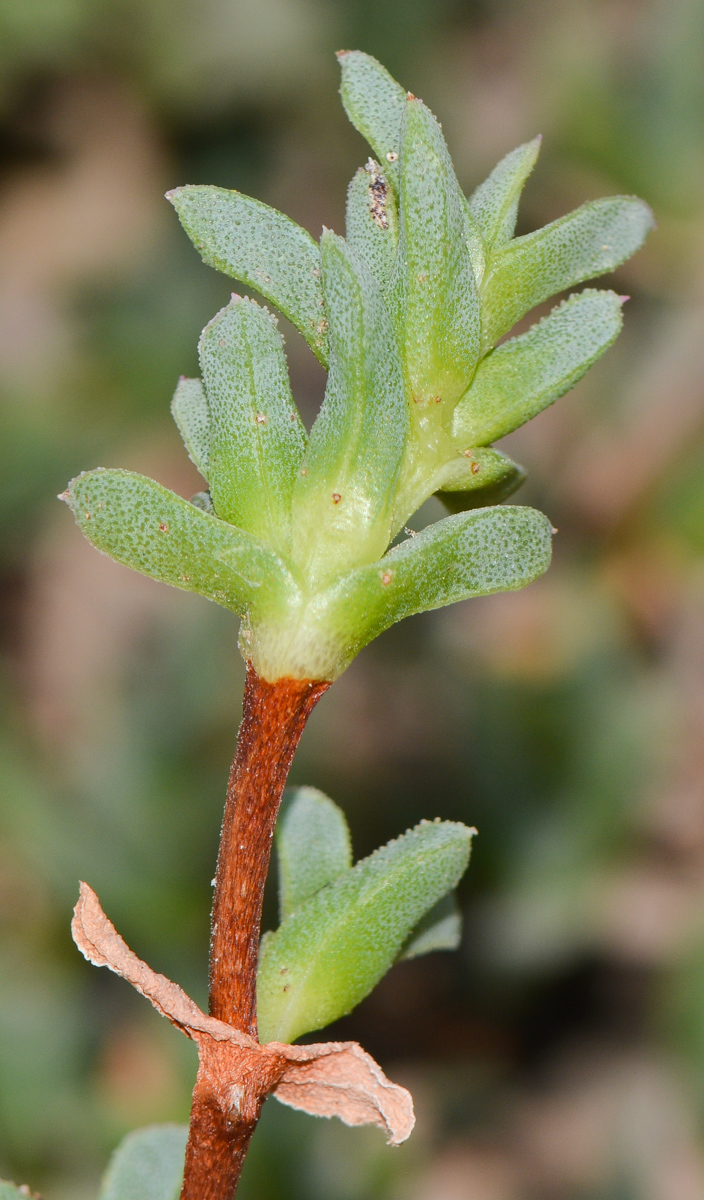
x: 343, y: 926
x: 145, y: 526
x: 235, y: 1072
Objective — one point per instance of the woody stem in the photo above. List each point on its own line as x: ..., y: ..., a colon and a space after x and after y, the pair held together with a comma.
x: 273, y: 719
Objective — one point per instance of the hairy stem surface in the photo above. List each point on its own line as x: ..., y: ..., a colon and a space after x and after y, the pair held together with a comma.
x: 273, y: 719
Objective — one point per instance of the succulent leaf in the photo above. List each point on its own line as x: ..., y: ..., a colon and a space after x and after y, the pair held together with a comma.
x: 588, y: 242
x: 332, y: 950
x: 478, y: 478
x: 10, y: 1191
x: 440, y: 929
x: 494, y: 204
x: 372, y: 221
x: 261, y: 247
x: 374, y: 103
x: 345, y: 490
x: 313, y: 846
x: 523, y: 376
x: 147, y: 527
x: 189, y: 409
x: 147, y: 1165
x: 469, y: 554
x: 257, y: 438
x: 434, y: 290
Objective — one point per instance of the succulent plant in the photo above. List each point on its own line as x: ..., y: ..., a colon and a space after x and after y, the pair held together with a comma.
x: 405, y: 312
x: 297, y: 534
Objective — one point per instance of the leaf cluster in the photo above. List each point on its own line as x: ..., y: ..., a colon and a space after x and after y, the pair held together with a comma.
x: 405, y: 312
x: 343, y: 925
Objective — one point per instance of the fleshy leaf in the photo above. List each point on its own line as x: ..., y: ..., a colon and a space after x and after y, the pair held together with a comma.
x: 147, y: 1165
x: 526, y: 374
x: 330, y: 953
x: 469, y: 554
x: 10, y: 1191
x: 145, y: 526
x: 440, y: 929
x: 374, y: 103
x: 313, y: 846
x: 485, y: 477
x: 345, y: 490
x: 433, y: 287
x: 189, y: 409
x: 263, y: 248
x: 372, y: 221
x: 257, y: 438
x: 588, y: 242
x: 494, y: 204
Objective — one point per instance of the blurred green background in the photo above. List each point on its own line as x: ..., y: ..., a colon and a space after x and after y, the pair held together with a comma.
x: 560, y: 1054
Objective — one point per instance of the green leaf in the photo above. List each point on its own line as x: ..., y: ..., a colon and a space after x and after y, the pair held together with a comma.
x: 147, y: 1165
x: 587, y: 242
x: 10, y: 1191
x: 372, y: 221
x: 486, y: 477
x: 313, y: 846
x: 494, y: 204
x: 330, y: 953
x: 526, y: 374
x: 440, y: 929
x: 145, y: 526
x: 257, y: 438
x: 345, y: 491
x: 259, y: 245
x: 189, y: 409
x: 434, y: 291
x: 374, y: 103
x: 470, y: 554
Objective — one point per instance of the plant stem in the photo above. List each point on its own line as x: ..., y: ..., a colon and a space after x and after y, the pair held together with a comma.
x: 273, y: 719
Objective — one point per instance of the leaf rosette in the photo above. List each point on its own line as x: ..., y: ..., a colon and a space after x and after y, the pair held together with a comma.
x: 292, y: 531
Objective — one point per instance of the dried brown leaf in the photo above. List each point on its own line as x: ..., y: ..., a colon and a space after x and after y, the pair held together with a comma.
x: 340, y: 1079
x: 329, y: 1079
x: 99, y: 942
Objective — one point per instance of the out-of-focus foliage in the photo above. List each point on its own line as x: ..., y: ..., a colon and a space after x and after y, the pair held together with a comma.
x: 563, y: 1054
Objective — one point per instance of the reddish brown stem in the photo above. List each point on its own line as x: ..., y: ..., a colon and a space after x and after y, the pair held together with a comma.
x: 273, y: 719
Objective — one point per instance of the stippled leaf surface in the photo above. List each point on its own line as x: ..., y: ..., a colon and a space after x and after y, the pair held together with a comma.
x: 332, y: 950
x: 469, y: 554
x: 588, y: 242
x: 372, y: 221
x: 374, y: 103
x: 440, y: 929
x: 434, y: 291
x: 147, y: 527
x: 479, y: 478
x: 356, y: 445
x: 147, y: 1165
x: 257, y: 438
x: 494, y: 204
x: 189, y: 409
x: 313, y: 846
x: 260, y: 246
x: 526, y: 374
